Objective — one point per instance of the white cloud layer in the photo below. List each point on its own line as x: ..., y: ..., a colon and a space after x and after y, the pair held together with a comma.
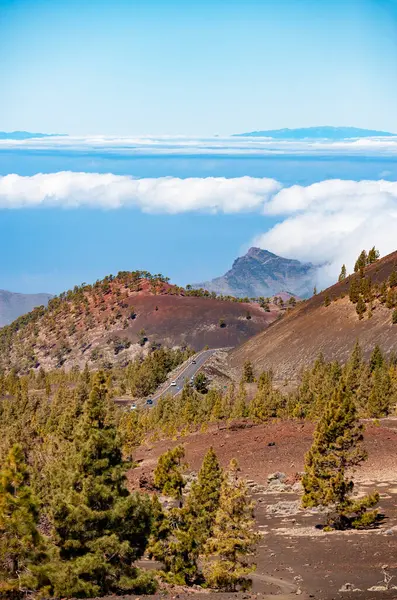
x: 217, y: 145
x: 328, y: 222
x: 331, y: 222
x: 162, y: 194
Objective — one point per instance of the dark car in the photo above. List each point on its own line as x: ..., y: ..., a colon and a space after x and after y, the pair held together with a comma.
x: 149, y: 401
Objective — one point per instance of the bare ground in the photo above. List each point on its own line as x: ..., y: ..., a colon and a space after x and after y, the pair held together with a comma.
x: 295, y: 556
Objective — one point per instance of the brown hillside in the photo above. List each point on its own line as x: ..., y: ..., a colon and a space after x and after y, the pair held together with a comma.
x: 296, y: 340
x: 115, y: 319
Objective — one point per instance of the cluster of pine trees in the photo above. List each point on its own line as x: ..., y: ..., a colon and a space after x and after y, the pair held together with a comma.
x: 371, y: 384
x: 68, y: 525
x: 208, y: 536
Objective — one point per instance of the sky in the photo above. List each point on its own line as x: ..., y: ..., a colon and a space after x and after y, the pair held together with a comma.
x: 196, y: 67
x: 148, y: 177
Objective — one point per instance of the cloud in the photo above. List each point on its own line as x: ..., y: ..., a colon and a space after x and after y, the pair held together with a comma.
x: 157, y: 195
x: 196, y: 145
x: 331, y: 222
x: 328, y: 222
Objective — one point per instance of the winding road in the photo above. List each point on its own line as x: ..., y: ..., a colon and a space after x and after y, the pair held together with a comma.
x: 185, y: 375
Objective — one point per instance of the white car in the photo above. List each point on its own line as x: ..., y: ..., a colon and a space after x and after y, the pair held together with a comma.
x: 173, y: 382
x: 133, y: 407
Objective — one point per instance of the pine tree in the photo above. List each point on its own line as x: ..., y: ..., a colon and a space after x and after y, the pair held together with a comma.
x: 258, y: 407
x: 343, y: 273
x: 168, y: 475
x: 393, y: 279
x: 248, y: 372
x: 99, y: 527
x: 394, y: 317
x: 354, y: 367
x: 327, y: 300
x: 203, y: 501
x: 361, y: 262
x: 22, y: 548
x: 376, y: 360
x: 354, y: 290
x: 381, y: 395
x: 361, y: 307
x: 373, y: 256
x: 337, y: 448
x: 233, y: 539
x: 240, y: 408
x: 315, y: 291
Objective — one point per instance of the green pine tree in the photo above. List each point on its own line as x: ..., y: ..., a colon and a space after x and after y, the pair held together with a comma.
x: 361, y: 307
x: 373, y: 256
x: 100, y: 529
x: 233, y: 539
x: 376, y: 360
x: 354, y: 290
x: 343, y: 273
x: 203, y: 501
x: 240, y: 408
x: 168, y: 475
x: 393, y: 279
x: 248, y: 372
x: 22, y: 549
x: 361, y: 262
x: 336, y: 449
x: 381, y: 396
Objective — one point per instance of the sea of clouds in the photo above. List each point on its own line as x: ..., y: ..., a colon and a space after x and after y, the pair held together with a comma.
x: 224, y: 145
x: 327, y: 223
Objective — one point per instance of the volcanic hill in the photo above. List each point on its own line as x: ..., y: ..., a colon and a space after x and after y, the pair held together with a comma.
x: 328, y: 323
x: 13, y: 305
x: 117, y: 318
x: 262, y: 273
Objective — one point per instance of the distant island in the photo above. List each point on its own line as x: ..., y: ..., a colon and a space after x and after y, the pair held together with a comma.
x: 316, y: 133
x: 26, y: 135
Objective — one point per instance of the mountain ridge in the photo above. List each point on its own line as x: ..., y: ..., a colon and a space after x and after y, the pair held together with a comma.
x: 26, y: 135
x: 325, y: 132
x: 261, y: 273
x: 15, y: 304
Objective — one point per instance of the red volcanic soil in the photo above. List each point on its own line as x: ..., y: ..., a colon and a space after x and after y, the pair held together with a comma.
x: 195, y: 321
x: 295, y: 556
x: 289, y: 440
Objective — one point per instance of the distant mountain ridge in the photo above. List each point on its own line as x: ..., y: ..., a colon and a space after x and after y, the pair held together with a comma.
x: 262, y: 273
x: 26, y: 135
x: 316, y: 133
x: 13, y: 305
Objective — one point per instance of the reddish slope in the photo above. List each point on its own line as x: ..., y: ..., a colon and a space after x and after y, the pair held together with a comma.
x: 105, y: 322
x: 295, y: 341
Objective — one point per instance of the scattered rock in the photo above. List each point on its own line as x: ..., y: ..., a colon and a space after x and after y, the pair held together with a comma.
x: 283, y: 509
x: 271, y: 443
x: 280, y: 477
x: 349, y: 587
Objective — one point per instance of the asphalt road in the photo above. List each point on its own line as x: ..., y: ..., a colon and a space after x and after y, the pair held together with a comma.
x: 185, y: 375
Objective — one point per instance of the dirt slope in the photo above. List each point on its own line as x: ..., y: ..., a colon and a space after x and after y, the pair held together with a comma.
x: 297, y: 339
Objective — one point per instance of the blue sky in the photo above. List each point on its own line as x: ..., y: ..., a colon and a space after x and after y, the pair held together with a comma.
x: 196, y: 66
x: 133, y: 68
